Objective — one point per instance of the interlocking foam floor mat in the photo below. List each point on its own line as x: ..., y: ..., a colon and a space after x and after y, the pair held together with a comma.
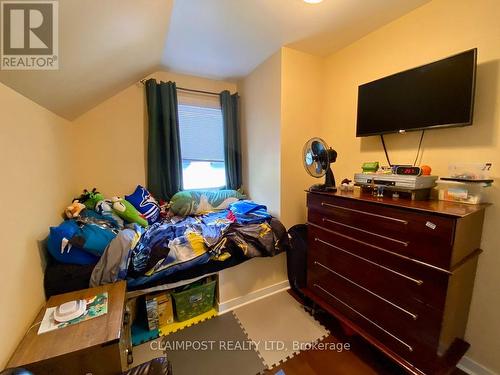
x: 215, y: 346
x: 246, y: 341
x: 279, y: 326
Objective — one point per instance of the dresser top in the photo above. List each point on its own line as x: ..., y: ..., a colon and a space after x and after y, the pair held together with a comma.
x: 454, y: 209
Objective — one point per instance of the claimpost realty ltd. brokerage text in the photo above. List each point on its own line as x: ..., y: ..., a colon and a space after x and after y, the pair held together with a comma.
x: 242, y: 345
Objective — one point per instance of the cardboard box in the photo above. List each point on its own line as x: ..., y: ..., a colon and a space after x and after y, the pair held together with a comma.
x: 165, y: 309
x: 159, y: 310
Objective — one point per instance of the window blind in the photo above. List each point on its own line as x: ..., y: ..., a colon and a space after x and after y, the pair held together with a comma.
x: 201, y: 133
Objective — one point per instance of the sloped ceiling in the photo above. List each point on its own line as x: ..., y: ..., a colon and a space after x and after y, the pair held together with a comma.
x: 107, y: 45
x: 229, y: 38
x: 104, y: 46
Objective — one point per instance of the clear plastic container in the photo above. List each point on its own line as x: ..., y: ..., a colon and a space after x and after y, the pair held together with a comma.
x: 464, y: 192
x: 469, y: 171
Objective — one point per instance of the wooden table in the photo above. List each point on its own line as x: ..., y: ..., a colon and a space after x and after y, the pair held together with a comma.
x: 89, y: 347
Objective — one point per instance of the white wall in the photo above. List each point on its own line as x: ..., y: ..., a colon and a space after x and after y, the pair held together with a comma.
x: 249, y: 277
x: 302, y: 77
x: 36, y: 185
x: 262, y: 153
x: 261, y: 142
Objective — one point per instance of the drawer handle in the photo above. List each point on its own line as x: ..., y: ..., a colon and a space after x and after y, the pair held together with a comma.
x: 410, y: 348
x: 404, y: 243
x: 413, y: 316
x: 418, y: 282
x: 365, y: 213
x: 382, y: 249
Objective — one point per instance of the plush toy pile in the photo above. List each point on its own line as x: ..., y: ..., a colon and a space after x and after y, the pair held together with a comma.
x: 92, y: 221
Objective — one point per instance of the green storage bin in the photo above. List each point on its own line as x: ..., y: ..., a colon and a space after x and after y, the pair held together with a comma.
x: 194, y: 301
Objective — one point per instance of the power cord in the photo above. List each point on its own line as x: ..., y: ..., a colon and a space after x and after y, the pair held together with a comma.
x: 385, y: 150
x: 419, y: 147
x: 418, y: 150
x: 33, y: 326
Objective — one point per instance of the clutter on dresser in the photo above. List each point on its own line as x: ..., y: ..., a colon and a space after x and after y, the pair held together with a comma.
x: 465, y: 183
x: 396, y: 181
x: 370, y: 167
x: 469, y: 172
x: 346, y: 185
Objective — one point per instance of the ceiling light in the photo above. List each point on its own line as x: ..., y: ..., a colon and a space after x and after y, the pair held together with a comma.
x: 313, y: 1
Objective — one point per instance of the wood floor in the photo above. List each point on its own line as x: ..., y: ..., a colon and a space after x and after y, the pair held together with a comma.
x: 361, y: 359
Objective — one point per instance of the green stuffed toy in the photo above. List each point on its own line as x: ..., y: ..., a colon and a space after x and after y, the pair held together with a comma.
x: 128, y: 212
x: 93, y: 200
x: 90, y: 198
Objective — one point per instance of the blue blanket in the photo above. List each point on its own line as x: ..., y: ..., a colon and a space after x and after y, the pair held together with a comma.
x: 181, y: 243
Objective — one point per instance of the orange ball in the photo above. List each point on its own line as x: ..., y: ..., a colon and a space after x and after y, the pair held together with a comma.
x: 426, y: 170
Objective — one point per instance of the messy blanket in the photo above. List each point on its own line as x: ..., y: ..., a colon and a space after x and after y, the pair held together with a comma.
x: 144, y: 255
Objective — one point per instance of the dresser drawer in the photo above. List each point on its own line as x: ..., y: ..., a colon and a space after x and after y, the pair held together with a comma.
x: 392, y: 277
x: 426, y: 238
x: 412, y: 350
x: 408, y: 317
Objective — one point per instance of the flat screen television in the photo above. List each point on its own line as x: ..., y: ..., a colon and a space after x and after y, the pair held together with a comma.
x: 435, y: 95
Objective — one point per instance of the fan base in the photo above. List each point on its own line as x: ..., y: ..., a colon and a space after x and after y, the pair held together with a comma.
x: 323, y: 187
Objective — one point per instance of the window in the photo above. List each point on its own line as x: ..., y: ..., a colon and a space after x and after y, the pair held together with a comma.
x: 202, y: 141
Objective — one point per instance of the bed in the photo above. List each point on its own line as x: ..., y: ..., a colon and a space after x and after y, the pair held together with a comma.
x: 175, y: 251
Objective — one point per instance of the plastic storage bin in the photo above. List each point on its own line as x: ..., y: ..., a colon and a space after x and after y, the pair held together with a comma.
x: 465, y: 192
x: 195, y: 300
x: 469, y: 171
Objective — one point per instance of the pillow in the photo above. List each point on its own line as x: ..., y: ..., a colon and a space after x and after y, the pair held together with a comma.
x: 59, y: 247
x: 197, y: 202
x: 145, y: 203
x: 94, y: 239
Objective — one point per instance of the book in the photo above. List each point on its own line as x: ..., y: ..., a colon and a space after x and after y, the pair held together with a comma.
x: 96, y: 306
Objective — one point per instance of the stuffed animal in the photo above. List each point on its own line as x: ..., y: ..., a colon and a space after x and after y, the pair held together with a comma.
x: 91, y: 198
x: 94, y: 200
x: 74, y: 209
x: 128, y: 212
x: 105, y: 208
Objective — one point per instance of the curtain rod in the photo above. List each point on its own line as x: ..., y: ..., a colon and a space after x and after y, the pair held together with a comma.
x: 143, y: 81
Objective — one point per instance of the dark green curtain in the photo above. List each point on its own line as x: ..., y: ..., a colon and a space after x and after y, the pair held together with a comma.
x: 232, y: 144
x: 164, y: 147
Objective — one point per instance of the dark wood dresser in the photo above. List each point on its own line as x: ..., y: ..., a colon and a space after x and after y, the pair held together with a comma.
x: 400, y: 273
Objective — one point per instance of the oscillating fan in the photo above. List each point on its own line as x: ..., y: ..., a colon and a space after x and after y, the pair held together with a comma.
x: 317, y: 157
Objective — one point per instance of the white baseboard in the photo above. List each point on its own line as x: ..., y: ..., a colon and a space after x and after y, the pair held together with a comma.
x: 473, y: 368
x: 252, y: 297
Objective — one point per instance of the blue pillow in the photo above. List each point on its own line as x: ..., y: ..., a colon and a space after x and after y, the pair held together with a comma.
x: 145, y: 203
x: 96, y: 238
x: 63, y: 252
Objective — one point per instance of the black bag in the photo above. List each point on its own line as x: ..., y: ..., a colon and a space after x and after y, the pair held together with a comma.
x: 296, y: 257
